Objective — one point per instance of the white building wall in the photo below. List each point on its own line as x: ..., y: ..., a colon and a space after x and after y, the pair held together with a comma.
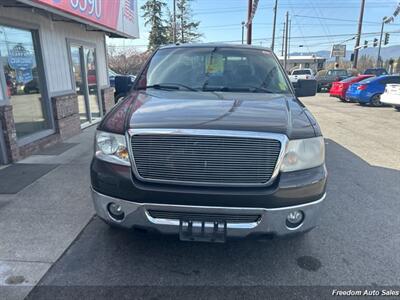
x: 53, y: 39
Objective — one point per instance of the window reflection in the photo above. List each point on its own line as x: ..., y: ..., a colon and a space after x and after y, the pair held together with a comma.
x: 23, y: 79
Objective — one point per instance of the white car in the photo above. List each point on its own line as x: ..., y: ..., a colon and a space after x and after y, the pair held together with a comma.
x: 301, y: 74
x: 391, y: 95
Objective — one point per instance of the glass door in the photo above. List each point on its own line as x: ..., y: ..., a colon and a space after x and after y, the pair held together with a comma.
x: 86, y: 84
x: 78, y: 72
x: 89, y: 56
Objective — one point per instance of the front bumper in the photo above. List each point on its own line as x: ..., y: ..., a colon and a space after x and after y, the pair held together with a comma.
x: 272, y: 220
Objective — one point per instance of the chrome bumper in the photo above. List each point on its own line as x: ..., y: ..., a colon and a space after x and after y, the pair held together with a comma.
x: 272, y: 221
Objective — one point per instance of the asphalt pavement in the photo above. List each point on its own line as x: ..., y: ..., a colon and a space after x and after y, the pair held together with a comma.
x: 356, y: 243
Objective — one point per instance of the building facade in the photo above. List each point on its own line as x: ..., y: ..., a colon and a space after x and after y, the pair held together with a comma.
x: 316, y: 63
x: 53, y: 68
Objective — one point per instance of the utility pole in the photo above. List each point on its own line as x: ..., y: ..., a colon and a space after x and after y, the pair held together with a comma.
x: 360, y: 22
x: 286, y: 40
x: 283, y: 39
x: 243, y: 23
x: 249, y: 22
x: 174, y: 29
x: 274, y: 26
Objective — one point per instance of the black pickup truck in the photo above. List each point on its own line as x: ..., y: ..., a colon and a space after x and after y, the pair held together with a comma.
x: 211, y: 143
x: 325, y: 81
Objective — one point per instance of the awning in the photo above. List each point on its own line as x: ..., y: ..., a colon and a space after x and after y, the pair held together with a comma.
x: 119, y: 18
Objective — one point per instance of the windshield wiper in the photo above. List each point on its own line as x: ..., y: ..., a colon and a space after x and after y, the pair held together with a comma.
x: 167, y: 86
x: 250, y: 89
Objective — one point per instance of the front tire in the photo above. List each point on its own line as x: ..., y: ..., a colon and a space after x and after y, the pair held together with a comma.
x: 397, y: 108
x: 376, y: 101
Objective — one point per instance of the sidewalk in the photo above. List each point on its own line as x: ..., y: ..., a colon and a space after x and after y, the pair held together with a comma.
x: 38, y: 223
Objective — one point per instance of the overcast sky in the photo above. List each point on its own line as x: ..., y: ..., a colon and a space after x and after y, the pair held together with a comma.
x: 316, y: 24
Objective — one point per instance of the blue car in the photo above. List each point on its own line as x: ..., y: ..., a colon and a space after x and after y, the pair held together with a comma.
x: 369, y: 91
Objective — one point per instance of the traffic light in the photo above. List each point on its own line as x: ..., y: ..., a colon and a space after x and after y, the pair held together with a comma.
x: 375, y: 42
x: 387, y: 35
x: 365, y: 44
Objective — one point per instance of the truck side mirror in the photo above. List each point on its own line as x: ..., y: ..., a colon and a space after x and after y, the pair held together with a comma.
x: 123, y: 84
x: 306, y: 88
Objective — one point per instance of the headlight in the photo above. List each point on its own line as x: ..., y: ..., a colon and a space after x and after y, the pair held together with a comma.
x: 111, y: 147
x: 304, y: 154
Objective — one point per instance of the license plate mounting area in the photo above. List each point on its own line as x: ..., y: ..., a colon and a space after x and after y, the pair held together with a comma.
x: 202, y: 231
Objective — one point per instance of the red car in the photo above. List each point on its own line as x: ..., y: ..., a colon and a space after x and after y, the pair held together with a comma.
x: 339, y: 88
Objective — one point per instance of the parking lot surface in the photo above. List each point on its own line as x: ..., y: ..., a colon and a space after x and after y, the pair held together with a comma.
x: 356, y: 243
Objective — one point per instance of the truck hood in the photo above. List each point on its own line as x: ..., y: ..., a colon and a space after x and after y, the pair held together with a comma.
x: 275, y: 113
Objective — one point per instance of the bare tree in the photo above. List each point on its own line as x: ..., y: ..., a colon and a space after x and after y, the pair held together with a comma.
x: 127, y: 62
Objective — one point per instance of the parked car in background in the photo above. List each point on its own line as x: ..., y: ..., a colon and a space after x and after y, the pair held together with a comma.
x: 301, y: 74
x: 121, y: 83
x: 391, y: 96
x: 376, y: 71
x: 211, y: 142
x: 325, y: 81
x: 369, y: 91
x: 339, y: 88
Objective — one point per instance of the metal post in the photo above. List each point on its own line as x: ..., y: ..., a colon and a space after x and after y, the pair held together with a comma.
x: 243, y: 23
x: 286, y: 39
x: 274, y: 26
x: 289, y: 35
x: 249, y: 25
x: 360, y: 22
x: 174, y: 17
x: 378, y: 59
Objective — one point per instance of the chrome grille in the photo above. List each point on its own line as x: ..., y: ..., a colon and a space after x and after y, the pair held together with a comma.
x: 205, y: 159
x: 206, y: 217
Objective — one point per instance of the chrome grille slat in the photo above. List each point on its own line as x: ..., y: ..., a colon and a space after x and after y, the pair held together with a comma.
x: 194, y: 216
x: 205, y: 159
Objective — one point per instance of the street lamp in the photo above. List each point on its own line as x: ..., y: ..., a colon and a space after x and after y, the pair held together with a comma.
x: 385, y: 20
x: 243, y: 23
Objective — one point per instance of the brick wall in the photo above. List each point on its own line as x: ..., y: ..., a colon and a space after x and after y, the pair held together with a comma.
x: 9, y: 132
x: 66, y: 115
x: 107, y: 99
x: 67, y: 124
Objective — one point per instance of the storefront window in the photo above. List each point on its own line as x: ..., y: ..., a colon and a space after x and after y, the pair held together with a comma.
x: 23, y: 80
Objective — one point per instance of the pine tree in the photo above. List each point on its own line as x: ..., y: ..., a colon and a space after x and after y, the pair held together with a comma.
x: 187, y: 28
x: 170, y: 27
x: 153, y: 15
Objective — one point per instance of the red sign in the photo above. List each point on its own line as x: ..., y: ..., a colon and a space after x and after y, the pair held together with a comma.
x: 102, y: 12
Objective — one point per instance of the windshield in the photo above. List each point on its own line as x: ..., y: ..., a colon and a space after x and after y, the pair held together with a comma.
x: 368, y: 80
x: 214, y: 69
x: 337, y: 72
x: 111, y: 73
x: 376, y: 71
x: 301, y: 72
x: 350, y: 79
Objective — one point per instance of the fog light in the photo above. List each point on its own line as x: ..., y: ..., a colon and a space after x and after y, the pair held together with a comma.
x: 115, y: 211
x: 294, y: 218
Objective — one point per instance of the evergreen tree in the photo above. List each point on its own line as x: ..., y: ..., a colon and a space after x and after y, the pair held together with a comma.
x: 397, y: 65
x: 153, y: 15
x: 187, y: 28
x: 170, y: 27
